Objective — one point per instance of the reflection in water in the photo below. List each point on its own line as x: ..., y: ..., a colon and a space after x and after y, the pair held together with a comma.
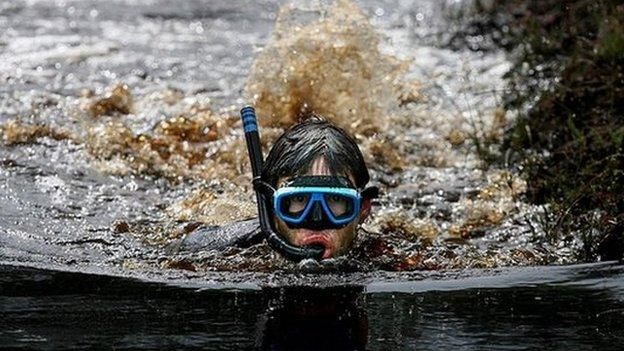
x: 314, y: 319
x: 584, y: 310
x: 498, y: 319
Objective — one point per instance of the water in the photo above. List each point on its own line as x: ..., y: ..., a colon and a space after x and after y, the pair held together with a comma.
x: 120, y: 132
x: 558, y: 308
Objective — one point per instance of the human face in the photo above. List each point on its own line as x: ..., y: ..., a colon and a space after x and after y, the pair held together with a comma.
x: 336, y: 242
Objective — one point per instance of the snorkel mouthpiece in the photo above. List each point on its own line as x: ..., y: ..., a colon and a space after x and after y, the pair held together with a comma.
x: 254, y: 148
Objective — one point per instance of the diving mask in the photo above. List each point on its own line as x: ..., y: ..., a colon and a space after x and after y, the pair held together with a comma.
x: 317, y: 202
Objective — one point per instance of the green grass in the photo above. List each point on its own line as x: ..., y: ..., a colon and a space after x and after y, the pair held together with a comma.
x: 568, y: 77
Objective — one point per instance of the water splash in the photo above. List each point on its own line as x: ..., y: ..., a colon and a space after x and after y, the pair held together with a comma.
x: 416, y: 118
x: 327, y: 59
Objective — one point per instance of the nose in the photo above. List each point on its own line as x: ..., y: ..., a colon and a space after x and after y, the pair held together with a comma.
x: 317, y: 212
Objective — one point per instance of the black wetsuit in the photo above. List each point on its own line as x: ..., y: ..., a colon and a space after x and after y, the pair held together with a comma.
x: 240, y: 234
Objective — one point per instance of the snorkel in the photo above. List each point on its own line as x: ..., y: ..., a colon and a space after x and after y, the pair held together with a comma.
x: 252, y: 137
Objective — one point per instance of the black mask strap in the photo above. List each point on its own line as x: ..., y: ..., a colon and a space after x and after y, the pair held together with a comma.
x: 371, y: 192
x: 263, y: 187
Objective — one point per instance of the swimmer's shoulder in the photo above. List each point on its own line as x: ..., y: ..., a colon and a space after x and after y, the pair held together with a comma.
x: 240, y: 234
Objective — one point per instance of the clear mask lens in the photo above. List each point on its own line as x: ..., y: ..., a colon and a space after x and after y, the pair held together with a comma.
x: 295, y: 204
x: 340, y: 206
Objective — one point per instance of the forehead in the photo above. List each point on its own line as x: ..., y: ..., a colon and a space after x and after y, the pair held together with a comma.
x: 331, y: 181
x: 319, y: 167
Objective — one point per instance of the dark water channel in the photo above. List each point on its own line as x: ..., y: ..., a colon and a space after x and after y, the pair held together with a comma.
x: 556, y: 308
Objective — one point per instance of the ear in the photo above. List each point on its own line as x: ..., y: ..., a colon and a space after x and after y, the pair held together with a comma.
x: 365, y: 208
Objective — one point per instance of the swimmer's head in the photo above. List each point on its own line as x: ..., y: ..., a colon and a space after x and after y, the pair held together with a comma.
x: 320, y: 177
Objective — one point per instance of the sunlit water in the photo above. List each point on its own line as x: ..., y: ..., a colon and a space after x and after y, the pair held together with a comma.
x: 119, y: 129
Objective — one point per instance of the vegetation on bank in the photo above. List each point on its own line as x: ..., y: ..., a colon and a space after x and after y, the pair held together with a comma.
x: 567, y: 83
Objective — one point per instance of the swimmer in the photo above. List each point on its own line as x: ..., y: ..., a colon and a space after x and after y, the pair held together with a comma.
x: 312, y: 194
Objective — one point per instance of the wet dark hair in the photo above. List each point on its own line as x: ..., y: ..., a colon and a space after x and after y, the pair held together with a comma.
x: 294, y: 152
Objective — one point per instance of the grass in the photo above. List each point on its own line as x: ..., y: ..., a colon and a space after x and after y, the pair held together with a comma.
x: 567, y: 83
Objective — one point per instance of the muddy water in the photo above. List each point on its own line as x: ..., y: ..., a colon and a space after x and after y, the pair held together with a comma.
x: 120, y: 131
x: 119, y: 134
x: 558, y: 308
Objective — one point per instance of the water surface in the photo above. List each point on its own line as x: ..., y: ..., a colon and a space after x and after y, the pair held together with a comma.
x: 557, y: 308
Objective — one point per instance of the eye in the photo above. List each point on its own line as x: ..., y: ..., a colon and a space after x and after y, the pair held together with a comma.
x: 296, y: 203
x: 339, y: 205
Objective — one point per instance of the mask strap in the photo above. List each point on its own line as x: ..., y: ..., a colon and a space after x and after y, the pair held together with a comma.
x: 370, y: 192
x: 262, y: 186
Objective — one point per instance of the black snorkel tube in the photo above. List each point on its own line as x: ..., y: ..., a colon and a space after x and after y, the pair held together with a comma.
x: 252, y: 137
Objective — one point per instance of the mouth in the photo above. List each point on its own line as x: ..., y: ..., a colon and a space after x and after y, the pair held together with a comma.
x: 321, y: 241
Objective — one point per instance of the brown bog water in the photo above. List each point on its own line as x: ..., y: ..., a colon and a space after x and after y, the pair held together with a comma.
x: 120, y: 133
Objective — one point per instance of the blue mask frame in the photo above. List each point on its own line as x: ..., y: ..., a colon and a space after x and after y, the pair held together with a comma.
x: 316, y: 195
